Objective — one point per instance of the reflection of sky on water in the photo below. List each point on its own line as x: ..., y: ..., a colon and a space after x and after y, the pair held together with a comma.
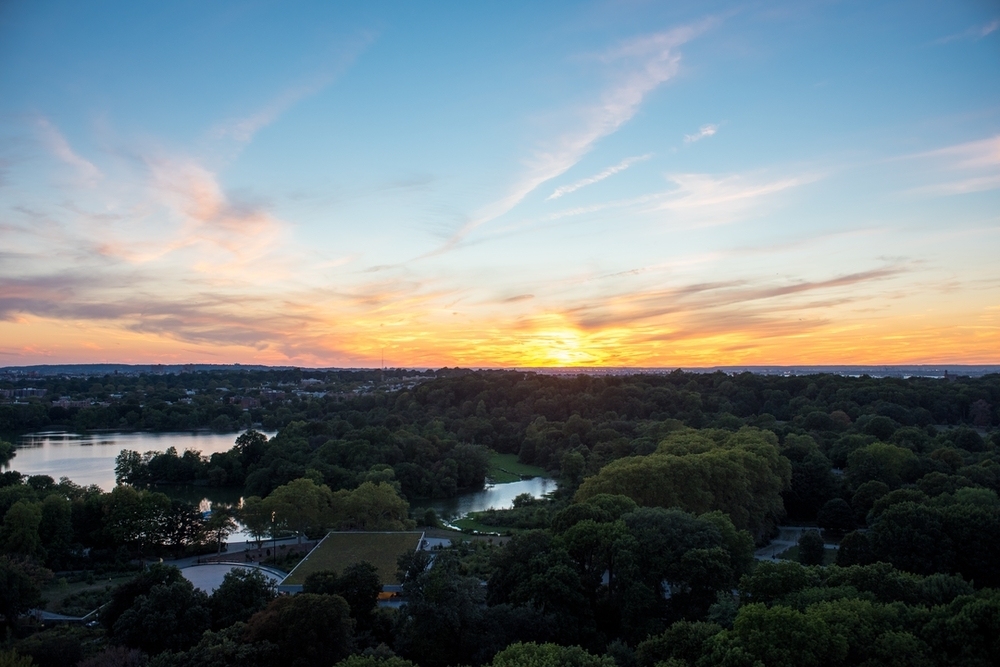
x: 89, y: 458
x: 497, y: 496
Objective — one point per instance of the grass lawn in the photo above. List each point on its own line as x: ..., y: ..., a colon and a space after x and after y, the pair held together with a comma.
x: 506, y: 468
x: 470, y: 523
x: 80, y: 598
x: 339, y: 550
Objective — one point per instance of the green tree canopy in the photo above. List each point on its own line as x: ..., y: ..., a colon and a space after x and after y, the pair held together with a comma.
x: 741, y: 474
x: 548, y: 655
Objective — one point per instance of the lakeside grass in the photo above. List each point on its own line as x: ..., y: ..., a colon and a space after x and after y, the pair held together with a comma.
x: 506, y: 468
x: 470, y: 523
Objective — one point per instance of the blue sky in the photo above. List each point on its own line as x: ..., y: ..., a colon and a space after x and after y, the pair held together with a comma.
x: 604, y: 183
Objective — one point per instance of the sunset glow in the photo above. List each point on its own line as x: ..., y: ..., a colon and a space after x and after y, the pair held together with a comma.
x: 574, y: 184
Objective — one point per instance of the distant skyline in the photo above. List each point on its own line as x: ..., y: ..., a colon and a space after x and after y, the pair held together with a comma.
x: 638, y: 184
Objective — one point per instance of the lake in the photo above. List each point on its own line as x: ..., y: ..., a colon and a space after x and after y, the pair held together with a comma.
x: 89, y: 458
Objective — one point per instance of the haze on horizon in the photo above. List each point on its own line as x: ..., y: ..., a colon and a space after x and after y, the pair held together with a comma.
x: 533, y: 184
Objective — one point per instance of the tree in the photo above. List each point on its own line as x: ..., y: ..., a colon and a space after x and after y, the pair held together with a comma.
x: 741, y: 474
x: 242, y: 593
x: 548, y: 655
x: 300, y: 506
x: 771, y: 581
x: 221, y: 524
x: 225, y: 648
x: 130, y: 468
x: 700, y: 576
x: 879, y: 461
x: 835, y: 517
x: 321, y: 582
x: 307, y: 629
x: 683, y: 640
x: 256, y: 518
x: 56, y: 529
x: 371, y: 507
x: 182, y: 525
x: 914, y: 538
x: 783, y: 637
x: 813, y: 482
x: 170, y: 617
x: 374, y: 661
x: 20, y: 587
x: 116, y: 656
x: 125, y: 595
x: 136, y: 517
x: 19, y: 534
x: 7, y: 452
x: 360, y: 585
x: 865, y: 496
x: 55, y: 647
x: 12, y: 659
x: 811, y: 548
x: 251, y: 446
x: 442, y: 620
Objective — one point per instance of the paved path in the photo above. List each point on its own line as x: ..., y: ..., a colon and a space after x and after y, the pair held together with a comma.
x: 209, y: 577
x: 788, y: 536
x: 234, y: 552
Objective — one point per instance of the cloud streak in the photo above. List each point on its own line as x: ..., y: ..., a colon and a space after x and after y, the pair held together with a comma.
x: 976, y: 32
x: 632, y: 307
x: 980, y: 160
x: 59, y: 146
x: 703, y: 131
x: 645, y: 63
x: 968, y: 155
x: 596, y: 178
x: 244, y: 129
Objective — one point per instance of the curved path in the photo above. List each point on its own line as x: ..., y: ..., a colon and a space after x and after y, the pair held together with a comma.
x: 209, y: 576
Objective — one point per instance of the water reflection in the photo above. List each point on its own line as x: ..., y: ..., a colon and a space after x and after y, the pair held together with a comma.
x: 89, y: 458
x: 495, y: 496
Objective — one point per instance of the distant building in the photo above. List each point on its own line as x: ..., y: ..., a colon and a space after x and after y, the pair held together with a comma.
x: 28, y: 392
x: 67, y: 402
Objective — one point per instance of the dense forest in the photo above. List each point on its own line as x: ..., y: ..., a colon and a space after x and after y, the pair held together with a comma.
x: 644, y: 557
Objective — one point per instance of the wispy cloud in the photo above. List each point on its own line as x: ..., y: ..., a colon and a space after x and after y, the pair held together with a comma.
x: 633, y: 306
x: 700, y: 199
x: 961, y: 187
x: 980, y: 159
x: 974, y: 33
x: 645, y: 63
x: 703, y: 131
x: 59, y: 146
x: 968, y: 155
x: 590, y: 180
x: 244, y: 129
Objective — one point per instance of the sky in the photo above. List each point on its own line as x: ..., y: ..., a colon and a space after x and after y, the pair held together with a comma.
x: 500, y: 184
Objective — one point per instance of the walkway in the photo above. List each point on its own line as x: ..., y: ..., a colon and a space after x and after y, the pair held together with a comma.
x: 788, y: 537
